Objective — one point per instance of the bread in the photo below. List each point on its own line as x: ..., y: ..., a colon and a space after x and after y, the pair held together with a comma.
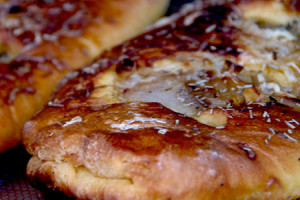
x: 204, y: 106
x: 40, y: 41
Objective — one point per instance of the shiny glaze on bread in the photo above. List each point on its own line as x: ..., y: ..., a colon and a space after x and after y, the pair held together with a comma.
x: 203, y: 106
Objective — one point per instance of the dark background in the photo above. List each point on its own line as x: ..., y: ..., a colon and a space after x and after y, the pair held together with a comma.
x: 13, y: 182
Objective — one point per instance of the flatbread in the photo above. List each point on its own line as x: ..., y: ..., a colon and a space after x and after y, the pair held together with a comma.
x: 204, y: 106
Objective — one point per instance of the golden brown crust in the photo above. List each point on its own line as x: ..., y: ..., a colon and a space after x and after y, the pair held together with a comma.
x: 41, y: 41
x: 205, y: 106
x: 161, y: 158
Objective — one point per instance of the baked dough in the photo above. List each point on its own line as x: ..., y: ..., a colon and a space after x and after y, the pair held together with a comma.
x: 204, y: 106
x: 40, y: 41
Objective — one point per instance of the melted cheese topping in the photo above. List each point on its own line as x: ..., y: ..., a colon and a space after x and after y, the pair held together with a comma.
x: 202, y: 85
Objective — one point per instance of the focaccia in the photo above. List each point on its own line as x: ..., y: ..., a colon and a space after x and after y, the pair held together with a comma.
x: 40, y: 41
x: 203, y: 106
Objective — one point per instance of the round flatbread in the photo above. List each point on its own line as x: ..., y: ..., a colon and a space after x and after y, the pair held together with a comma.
x: 204, y: 106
